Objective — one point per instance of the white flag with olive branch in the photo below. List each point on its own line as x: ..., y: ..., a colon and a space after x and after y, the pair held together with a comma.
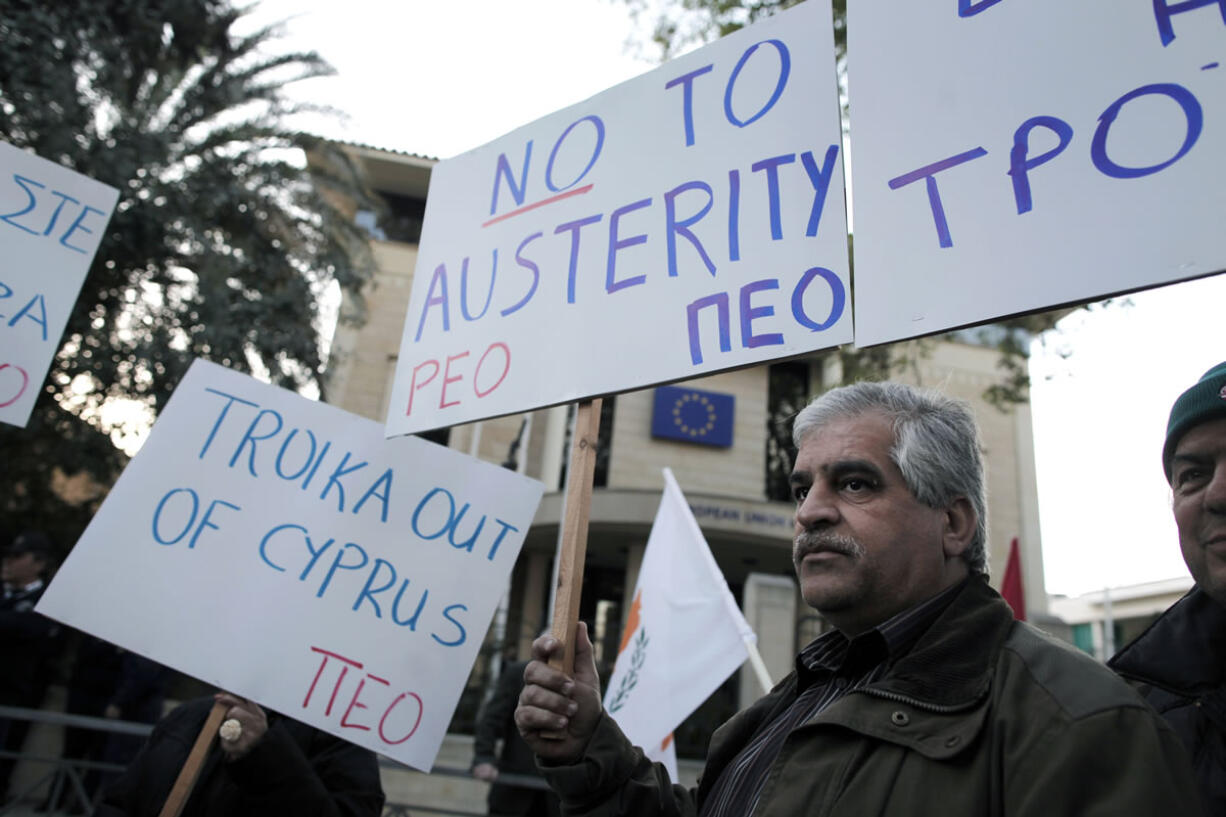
x: 684, y: 634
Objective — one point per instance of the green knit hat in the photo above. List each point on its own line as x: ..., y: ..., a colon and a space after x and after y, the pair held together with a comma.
x: 1203, y: 402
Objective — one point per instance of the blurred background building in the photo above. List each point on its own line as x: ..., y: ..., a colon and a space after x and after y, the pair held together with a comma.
x: 1103, y: 622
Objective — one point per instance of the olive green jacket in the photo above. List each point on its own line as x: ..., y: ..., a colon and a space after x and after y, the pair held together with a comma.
x: 984, y: 716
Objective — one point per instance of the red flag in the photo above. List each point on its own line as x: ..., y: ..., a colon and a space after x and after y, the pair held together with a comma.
x: 1011, y: 587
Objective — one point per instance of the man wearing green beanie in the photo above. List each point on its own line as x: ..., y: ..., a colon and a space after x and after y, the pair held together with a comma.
x: 1179, y: 662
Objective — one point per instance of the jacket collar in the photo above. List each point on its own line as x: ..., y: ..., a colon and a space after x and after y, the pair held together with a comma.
x: 1183, y: 651
x: 949, y: 669
x: 952, y: 663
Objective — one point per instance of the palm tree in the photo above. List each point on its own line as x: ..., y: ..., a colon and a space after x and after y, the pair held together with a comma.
x: 222, y: 243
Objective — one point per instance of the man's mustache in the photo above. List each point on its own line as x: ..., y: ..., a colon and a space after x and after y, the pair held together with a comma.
x: 824, y: 542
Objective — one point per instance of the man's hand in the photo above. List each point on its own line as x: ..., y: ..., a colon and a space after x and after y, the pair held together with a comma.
x: 553, y: 704
x: 485, y: 771
x: 250, y: 717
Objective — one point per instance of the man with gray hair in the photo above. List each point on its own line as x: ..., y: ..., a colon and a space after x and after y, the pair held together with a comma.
x: 926, y: 698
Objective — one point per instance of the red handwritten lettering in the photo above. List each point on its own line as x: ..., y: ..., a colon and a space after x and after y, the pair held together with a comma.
x: 326, y: 654
x: 25, y: 381
x: 416, y: 723
x: 393, y: 717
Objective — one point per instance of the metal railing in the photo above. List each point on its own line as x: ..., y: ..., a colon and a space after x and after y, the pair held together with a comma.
x: 66, y: 776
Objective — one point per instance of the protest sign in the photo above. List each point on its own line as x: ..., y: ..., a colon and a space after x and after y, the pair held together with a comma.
x: 51, y: 222
x: 1015, y: 156
x: 284, y: 550
x: 687, y: 221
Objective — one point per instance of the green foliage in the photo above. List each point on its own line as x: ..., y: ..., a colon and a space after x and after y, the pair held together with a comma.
x: 222, y: 242
x: 679, y: 24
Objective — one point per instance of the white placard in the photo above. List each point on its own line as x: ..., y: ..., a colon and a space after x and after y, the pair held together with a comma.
x: 1015, y: 155
x: 283, y: 549
x: 51, y: 222
x: 687, y: 221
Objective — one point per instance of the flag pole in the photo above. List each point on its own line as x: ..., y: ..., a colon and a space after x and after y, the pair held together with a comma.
x: 186, y: 780
x: 577, y: 506
x: 759, y: 666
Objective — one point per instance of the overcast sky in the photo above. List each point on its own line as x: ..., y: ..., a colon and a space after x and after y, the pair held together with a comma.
x: 439, y: 78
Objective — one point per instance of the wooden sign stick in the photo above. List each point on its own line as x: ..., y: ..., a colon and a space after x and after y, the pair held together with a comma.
x: 186, y: 781
x: 578, y: 505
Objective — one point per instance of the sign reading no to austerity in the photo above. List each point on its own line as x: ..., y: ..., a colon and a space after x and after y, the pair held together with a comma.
x: 684, y: 222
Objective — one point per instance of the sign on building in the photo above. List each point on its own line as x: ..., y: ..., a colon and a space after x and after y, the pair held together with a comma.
x: 693, y: 415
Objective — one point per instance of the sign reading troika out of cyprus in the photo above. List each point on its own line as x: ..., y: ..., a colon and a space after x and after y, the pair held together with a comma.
x: 285, y: 550
x: 684, y: 222
x: 1015, y: 155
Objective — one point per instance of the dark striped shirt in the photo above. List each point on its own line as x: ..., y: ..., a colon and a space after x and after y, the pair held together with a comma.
x: 827, y: 669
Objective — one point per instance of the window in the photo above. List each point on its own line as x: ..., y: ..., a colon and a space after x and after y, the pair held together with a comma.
x: 400, y: 221
x: 1083, y: 638
x: 787, y: 394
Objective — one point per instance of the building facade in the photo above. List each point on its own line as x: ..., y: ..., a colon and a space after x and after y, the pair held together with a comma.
x: 1102, y: 622
x: 730, y: 462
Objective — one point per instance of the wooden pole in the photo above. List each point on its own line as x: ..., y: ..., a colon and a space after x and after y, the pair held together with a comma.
x: 578, y: 504
x: 182, y: 788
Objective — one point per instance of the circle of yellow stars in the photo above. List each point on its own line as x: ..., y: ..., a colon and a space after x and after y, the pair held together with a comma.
x: 699, y: 430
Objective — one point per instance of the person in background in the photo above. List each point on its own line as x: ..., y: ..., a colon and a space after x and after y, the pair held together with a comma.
x: 29, y: 641
x: 1179, y: 662
x: 262, y: 764
x: 495, y: 722
x: 926, y: 697
x: 106, y: 681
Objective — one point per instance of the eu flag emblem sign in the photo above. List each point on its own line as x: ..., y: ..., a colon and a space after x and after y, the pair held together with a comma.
x: 693, y: 416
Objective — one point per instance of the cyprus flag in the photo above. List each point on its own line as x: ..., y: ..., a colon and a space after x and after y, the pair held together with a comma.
x: 684, y: 634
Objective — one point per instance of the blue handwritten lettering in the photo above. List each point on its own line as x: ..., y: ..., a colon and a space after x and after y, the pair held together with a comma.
x: 616, y: 243
x: 598, y: 124
x: 928, y: 174
x: 191, y: 517
x: 1193, y: 115
x: 31, y: 200
x: 489, y: 296
x: 785, y: 68
x: 27, y: 312
x: 1020, y: 166
x: 503, y: 170
x: 252, y: 437
x: 573, y: 227
x: 675, y: 227
x: 720, y: 301
x: 338, y: 563
x: 1164, y: 11
x: 969, y: 8
x: 439, y: 280
x: 750, y: 313
x: 734, y: 216
x: 820, y: 178
x: 771, y: 166
x: 528, y: 265
x: 339, y: 471
x: 460, y: 627
x: 837, y: 292
x: 686, y: 81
